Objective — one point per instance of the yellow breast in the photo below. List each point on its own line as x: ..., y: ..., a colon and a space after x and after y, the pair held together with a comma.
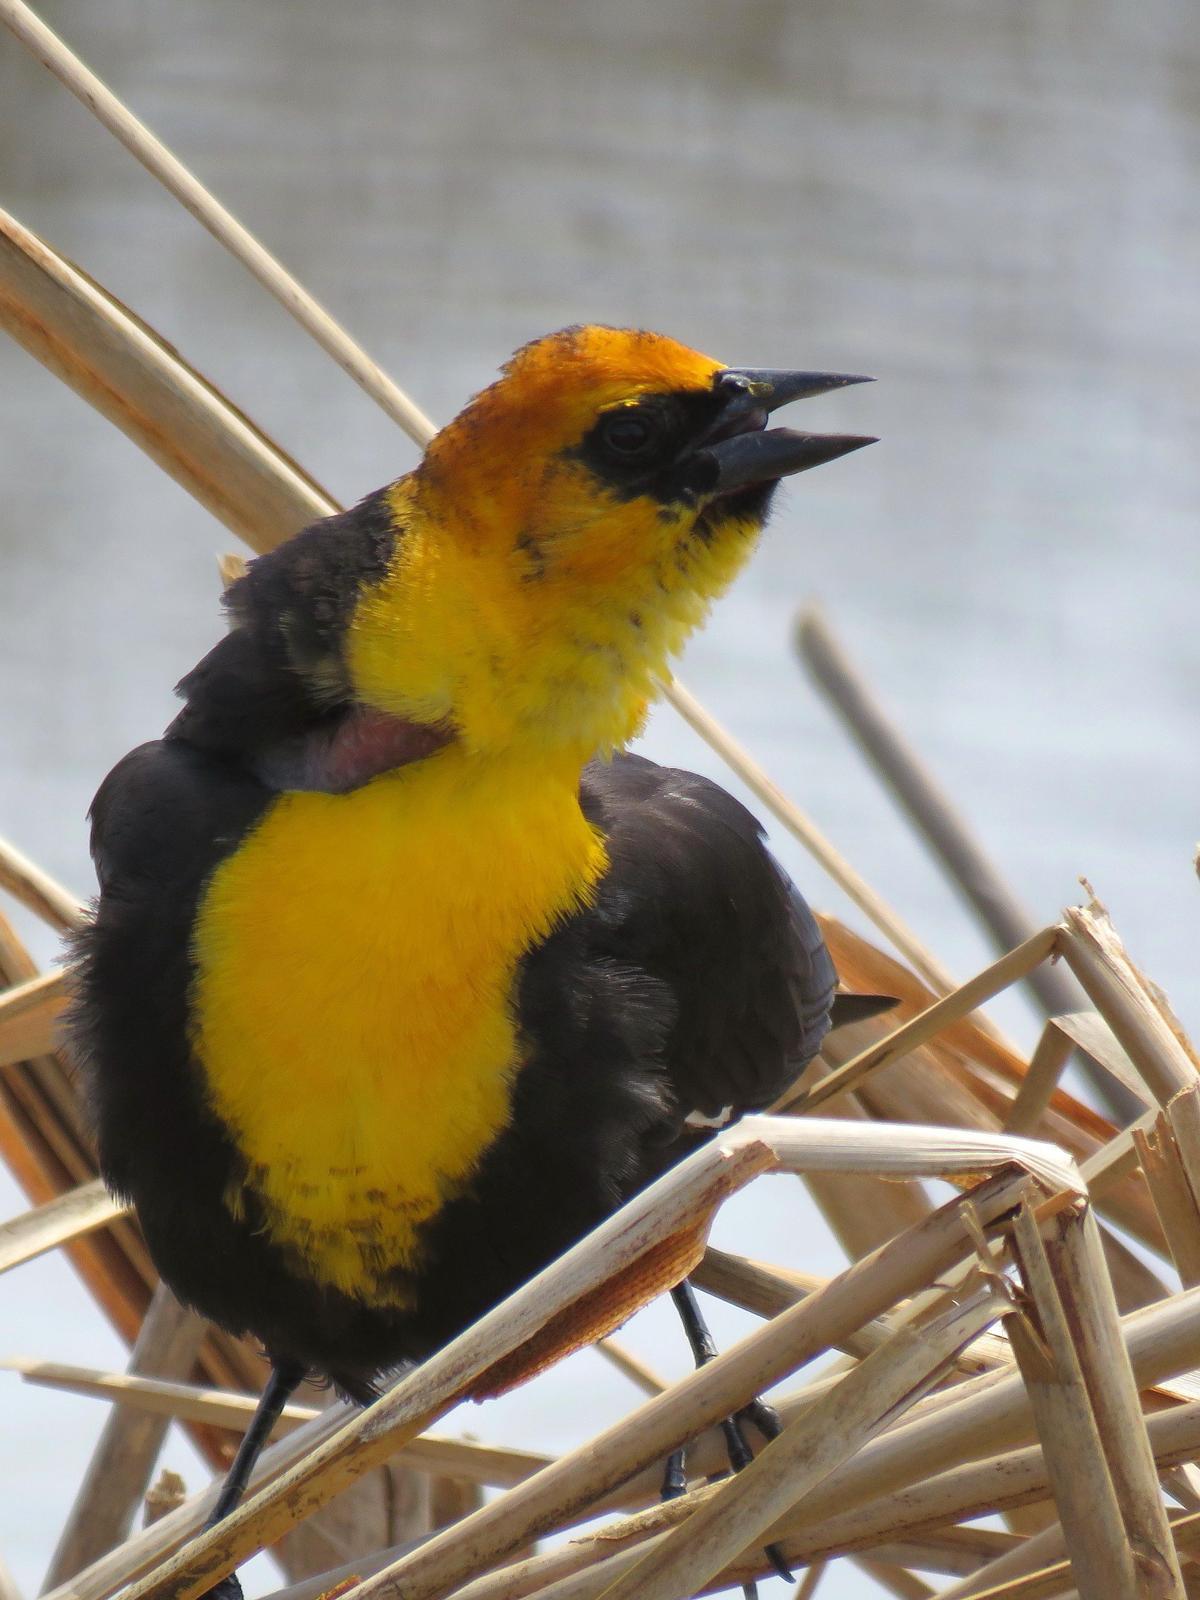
x: 356, y: 958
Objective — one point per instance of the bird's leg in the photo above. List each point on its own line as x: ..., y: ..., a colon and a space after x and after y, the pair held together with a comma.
x: 761, y: 1415
x: 285, y: 1375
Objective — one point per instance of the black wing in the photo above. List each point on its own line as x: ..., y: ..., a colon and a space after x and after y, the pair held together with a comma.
x: 281, y: 670
x: 162, y: 820
x: 695, y: 899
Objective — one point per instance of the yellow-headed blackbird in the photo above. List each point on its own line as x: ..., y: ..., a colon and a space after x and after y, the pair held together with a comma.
x: 400, y: 979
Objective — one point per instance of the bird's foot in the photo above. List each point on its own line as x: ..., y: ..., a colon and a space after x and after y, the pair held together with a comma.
x: 763, y: 1418
x: 757, y: 1415
x: 227, y: 1588
x: 766, y: 1420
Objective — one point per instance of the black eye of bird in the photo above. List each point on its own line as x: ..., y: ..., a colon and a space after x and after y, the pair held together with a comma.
x: 628, y: 434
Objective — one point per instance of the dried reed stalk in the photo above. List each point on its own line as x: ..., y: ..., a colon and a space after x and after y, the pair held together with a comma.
x: 29, y: 1017
x: 1084, y: 1493
x: 231, y: 467
x: 746, y: 1505
x: 1138, y: 1016
x: 1031, y: 1555
x: 45, y: 1144
x: 37, y: 890
x: 122, y: 1464
x: 896, y: 1580
x: 953, y: 1079
x: 1056, y: 1582
x: 194, y: 197
x: 496, y: 1466
x: 629, y: 1366
x: 768, y: 1291
x: 134, y: 378
x: 950, y: 1008
x: 579, y: 1479
x: 938, y: 822
x: 583, y: 1477
x: 926, y: 1508
x: 1046, y: 1066
x: 8, y: 1584
x: 1159, y: 1159
x: 883, y: 916
x: 1075, y: 1257
x: 57, y: 1222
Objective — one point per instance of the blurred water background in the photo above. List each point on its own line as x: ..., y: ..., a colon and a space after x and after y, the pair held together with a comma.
x: 992, y: 208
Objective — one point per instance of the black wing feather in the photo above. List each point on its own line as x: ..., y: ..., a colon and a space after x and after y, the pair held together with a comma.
x: 282, y: 670
x: 695, y: 899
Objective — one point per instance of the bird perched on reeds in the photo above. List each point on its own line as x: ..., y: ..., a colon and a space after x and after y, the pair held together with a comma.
x: 402, y: 975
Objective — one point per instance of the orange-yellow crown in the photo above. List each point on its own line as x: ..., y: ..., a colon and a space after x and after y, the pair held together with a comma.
x: 551, y: 391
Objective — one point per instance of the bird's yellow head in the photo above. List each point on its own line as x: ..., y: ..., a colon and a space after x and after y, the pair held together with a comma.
x: 568, y: 530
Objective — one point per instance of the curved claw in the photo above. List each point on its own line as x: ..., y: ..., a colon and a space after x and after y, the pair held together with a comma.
x: 758, y: 1414
x: 674, y: 1481
x: 766, y: 1419
x: 775, y: 1556
x: 763, y: 1417
x: 739, y: 1452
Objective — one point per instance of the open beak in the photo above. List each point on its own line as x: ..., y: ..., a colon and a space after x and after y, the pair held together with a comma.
x: 745, y: 451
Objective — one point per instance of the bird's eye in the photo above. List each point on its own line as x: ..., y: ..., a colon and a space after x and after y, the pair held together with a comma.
x: 628, y: 434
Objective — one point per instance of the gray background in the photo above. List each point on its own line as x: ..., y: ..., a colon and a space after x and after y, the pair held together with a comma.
x: 991, y: 207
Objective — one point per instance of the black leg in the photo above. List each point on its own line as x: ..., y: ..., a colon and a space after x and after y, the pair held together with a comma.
x: 285, y: 1375
x: 757, y: 1412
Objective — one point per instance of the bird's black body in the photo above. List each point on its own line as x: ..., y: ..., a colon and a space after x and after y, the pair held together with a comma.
x: 696, y: 981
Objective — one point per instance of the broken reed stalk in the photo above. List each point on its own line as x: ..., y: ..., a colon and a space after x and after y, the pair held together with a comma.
x: 582, y: 1477
x: 1075, y: 1257
x: 1084, y: 1494
x: 1132, y: 1009
x: 923, y: 1457
x: 743, y: 1507
x: 1158, y: 1156
x: 577, y: 1480
x: 869, y: 1133
x: 1150, y: 1035
x: 923, y: 1508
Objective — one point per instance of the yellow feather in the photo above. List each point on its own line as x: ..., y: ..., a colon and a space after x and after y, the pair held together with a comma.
x: 355, y: 959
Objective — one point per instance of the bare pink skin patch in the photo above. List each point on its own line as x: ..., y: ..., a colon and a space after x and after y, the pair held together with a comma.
x: 345, y: 754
